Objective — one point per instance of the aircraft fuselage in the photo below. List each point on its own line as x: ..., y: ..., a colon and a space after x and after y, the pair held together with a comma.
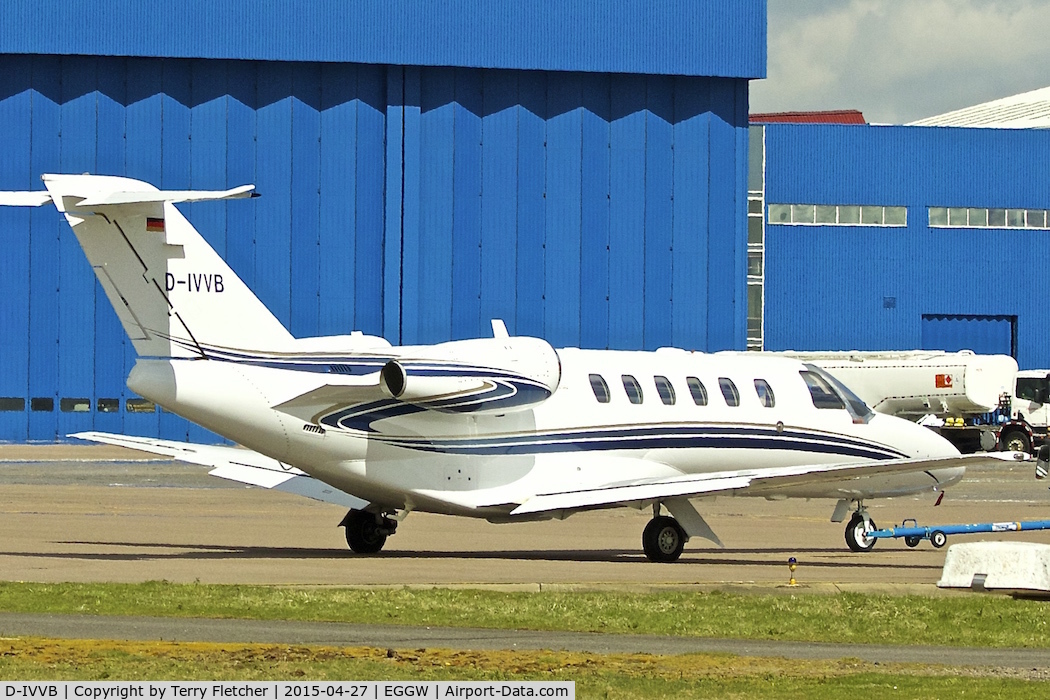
x: 661, y: 414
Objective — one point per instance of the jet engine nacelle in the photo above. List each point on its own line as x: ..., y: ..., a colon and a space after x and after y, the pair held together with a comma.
x: 490, y: 375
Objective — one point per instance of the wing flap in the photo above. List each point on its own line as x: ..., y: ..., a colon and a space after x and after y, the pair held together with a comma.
x: 626, y: 495
x: 751, y: 480
x: 235, y: 464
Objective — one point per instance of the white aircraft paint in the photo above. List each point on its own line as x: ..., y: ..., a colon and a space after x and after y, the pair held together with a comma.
x: 504, y: 428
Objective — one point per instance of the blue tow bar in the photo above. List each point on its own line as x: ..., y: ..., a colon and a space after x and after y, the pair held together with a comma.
x: 913, y: 533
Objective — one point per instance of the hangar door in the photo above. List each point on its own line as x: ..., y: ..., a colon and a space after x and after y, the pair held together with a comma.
x: 985, y: 335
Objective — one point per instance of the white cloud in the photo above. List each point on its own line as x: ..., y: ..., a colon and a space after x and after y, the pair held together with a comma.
x: 898, y: 61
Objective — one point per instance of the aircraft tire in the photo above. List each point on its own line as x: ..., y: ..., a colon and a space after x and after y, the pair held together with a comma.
x: 856, y: 538
x: 663, y: 539
x: 363, y: 533
x: 912, y: 540
x: 938, y: 539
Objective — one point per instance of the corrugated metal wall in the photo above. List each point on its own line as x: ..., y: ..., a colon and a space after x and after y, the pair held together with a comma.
x: 985, y: 335
x: 861, y: 287
x: 725, y: 38
x: 415, y: 203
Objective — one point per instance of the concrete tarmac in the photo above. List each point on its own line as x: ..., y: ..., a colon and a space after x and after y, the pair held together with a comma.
x: 105, y: 514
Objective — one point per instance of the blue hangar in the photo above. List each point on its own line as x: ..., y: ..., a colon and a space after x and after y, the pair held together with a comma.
x: 930, y: 235
x: 575, y: 167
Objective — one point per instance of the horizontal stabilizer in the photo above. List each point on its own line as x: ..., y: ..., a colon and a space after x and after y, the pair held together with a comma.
x: 24, y: 199
x: 747, y: 481
x: 174, y: 196
x: 107, y: 198
x: 172, y: 292
x: 235, y: 464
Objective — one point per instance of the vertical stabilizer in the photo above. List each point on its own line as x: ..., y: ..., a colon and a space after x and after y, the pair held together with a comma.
x: 175, y: 296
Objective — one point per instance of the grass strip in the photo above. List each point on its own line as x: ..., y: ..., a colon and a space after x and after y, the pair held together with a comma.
x: 596, y: 676
x: 966, y: 620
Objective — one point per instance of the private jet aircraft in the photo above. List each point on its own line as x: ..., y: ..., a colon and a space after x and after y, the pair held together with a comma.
x: 504, y: 428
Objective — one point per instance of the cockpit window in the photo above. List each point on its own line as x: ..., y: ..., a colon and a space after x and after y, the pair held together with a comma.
x: 664, y: 389
x: 632, y: 387
x: 729, y: 391
x: 765, y: 393
x: 851, y: 402
x: 821, y: 392
x: 697, y: 390
x: 600, y: 388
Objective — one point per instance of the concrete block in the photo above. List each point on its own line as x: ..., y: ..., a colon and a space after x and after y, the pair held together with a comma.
x: 1016, y: 568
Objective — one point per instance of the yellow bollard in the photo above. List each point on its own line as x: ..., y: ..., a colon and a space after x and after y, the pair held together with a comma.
x: 792, y: 565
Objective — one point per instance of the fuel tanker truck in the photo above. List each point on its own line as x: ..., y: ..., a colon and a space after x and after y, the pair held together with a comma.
x: 978, y: 402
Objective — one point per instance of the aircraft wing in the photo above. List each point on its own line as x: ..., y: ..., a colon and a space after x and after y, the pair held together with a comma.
x: 235, y: 464
x: 749, y: 481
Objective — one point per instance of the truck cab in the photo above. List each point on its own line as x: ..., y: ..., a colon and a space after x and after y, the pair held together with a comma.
x: 1031, y: 399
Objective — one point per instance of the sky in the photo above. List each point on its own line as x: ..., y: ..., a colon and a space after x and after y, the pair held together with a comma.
x: 901, y: 60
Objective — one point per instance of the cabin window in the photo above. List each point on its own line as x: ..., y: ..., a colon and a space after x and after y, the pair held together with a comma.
x: 698, y: 391
x: 729, y: 391
x: 765, y: 393
x: 600, y: 388
x: 632, y: 387
x: 665, y: 390
x: 820, y: 391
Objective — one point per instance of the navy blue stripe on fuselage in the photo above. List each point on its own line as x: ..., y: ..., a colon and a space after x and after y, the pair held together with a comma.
x: 652, y: 437
x: 357, y: 365
x: 361, y: 416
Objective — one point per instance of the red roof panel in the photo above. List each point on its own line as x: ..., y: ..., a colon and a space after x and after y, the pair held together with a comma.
x: 840, y: 116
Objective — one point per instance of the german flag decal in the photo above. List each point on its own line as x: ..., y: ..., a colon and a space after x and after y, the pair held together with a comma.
x: 155, y: 225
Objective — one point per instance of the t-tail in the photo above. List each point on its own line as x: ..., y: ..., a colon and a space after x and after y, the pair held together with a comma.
x: 174, y: 295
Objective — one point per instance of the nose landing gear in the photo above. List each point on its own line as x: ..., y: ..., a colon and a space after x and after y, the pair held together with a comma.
x: 857, y: 531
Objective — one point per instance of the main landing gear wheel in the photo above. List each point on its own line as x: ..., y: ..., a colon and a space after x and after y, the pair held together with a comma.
x: 366, y: 532
x: 857, y: 533
x: 663, y: 539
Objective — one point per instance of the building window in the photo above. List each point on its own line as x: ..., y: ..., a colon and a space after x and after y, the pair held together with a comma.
x: 837, y: 215
x: 75, y: 405
x: 756, y: 236
x: 12, y: 403
x: 108, y: 405
x: 140, y: 406
x: 992, y: 217
x: 41, y: 403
